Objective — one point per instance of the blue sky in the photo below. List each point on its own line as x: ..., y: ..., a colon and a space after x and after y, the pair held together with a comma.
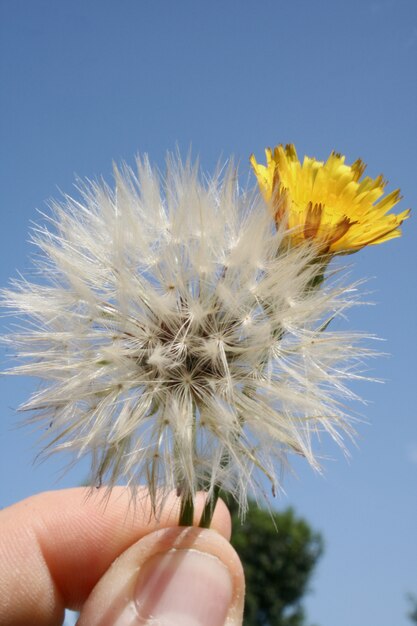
x: 86, y: 83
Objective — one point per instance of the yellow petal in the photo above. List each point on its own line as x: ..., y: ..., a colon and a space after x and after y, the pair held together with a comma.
x: 327, y: 201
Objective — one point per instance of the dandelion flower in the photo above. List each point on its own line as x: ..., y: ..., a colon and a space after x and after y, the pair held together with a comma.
x: 178, y: 344
x: 328, y: 202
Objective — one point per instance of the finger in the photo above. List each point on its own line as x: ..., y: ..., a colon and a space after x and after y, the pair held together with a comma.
x: 55, y: 546
x: 176, y: 576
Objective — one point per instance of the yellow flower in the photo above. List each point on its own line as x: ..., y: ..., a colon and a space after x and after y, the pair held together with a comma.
x: 327, y: 201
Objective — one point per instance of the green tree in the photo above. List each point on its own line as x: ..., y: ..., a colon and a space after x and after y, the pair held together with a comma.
x: 279, y: 552
x: 412, y: 614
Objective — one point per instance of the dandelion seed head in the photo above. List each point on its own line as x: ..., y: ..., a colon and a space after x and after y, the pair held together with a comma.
x: 177, y: 338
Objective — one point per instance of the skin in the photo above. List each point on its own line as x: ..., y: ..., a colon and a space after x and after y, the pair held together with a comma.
x: 56, y: 549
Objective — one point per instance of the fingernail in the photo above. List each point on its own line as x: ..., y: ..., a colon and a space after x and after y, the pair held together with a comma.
x: 184, y: 587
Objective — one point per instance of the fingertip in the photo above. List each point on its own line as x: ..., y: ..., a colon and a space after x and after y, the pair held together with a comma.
x: 174, y: 575
x: 62, y: 542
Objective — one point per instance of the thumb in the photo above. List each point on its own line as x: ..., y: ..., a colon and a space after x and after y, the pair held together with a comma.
x: 171, y: 577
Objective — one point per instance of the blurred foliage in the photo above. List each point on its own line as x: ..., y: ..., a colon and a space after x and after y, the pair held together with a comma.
x: 412, y: 614
x: 279, y: 552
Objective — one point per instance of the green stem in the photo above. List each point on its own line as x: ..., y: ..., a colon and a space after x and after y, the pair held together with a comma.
x: 187, y: 511
x: 209, y: 507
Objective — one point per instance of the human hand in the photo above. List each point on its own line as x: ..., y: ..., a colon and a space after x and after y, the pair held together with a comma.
x: 117, y: 565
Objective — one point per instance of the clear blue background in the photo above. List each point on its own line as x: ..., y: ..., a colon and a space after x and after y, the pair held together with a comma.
x: 87, y: 82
